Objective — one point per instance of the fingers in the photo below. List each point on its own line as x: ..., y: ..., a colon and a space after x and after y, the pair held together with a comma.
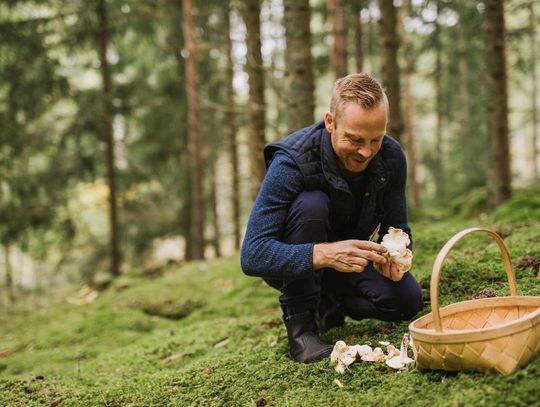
x: 395, y: 275
x: 367, y: 245
x: 373, y: 256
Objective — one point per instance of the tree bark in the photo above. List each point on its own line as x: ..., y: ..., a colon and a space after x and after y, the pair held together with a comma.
x: 298, y: 64
x: 231, y: 127
x: 358, y: 35
x: 391, y: 80
x: 438, y: 168
x: 408, y: 108
x: 535, y: 135
x: 464, y: 112
x: 107, y: 126
x: 257, y: 107
x: 216, y: 241
x: 499, y: 185
x: 9, y: 276
x: 336, y: 14
x: 197, y: 221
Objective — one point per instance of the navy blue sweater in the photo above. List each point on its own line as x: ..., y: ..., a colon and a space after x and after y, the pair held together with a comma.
x: 265, y: 255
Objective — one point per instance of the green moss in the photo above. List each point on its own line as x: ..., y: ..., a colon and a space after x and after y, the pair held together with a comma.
x: 521, y: 209
x: 469, y: 205
x: 229, y: 348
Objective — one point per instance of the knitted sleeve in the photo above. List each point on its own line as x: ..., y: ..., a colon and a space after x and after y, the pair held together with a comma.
x: 263, y: 254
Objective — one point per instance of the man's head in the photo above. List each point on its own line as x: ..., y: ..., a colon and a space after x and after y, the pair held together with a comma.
x: 357, y: 120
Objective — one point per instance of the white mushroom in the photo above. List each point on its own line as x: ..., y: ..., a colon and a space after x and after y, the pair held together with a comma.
x: 396, y: 242
x: 342, y: 355
x: 377, y: 355
x: 360, y: 350
x: 392, y: 352
x: 399, y: 359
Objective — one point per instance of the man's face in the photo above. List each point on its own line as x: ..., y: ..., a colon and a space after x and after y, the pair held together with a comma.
x: 357, y: 134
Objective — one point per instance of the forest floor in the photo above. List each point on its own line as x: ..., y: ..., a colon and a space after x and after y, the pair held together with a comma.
x: 203, y: 334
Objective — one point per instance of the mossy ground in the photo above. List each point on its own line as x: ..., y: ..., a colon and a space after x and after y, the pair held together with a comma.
x: 206, y: 335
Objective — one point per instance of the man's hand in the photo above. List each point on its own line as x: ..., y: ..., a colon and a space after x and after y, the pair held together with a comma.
x: 390, y: 270
x: 348, y: 256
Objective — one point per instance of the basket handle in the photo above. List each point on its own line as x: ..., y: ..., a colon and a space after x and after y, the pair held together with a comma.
x: 434, y: 286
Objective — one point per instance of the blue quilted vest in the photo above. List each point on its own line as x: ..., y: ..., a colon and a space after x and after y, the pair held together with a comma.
x: 312, y: 150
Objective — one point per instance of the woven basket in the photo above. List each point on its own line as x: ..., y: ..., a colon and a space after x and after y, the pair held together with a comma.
x: 499, y: 333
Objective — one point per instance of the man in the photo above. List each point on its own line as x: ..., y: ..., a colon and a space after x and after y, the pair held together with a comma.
x: 329, y: 187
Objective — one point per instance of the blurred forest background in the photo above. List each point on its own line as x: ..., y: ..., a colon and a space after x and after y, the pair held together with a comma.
x: 131, y: 132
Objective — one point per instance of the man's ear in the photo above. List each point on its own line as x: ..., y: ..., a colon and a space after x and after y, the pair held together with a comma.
x: 329, y: 122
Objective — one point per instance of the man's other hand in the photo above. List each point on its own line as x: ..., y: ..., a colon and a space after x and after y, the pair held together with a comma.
x: 390, y: 270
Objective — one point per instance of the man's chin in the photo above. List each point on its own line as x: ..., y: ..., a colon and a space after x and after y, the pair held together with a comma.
x: 358, y: 166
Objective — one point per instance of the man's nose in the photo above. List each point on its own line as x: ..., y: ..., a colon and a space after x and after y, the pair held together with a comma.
x: 364, y: 151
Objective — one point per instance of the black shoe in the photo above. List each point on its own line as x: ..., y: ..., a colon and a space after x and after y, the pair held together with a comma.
x: 305, y: 346
x: 331, y: 314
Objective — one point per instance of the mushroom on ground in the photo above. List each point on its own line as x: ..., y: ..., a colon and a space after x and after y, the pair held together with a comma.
x: 342, y: 355
x: 377, y: 355
x: 399, y: 359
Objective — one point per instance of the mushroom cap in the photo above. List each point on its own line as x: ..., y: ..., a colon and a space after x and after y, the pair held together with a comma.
x: 396, y: 240
x: 377, y: 355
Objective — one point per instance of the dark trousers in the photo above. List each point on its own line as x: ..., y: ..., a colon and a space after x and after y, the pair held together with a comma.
x: 361, y: 295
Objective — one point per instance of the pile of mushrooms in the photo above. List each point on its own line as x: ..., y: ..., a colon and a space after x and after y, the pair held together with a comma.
x: 396, y: 242
x: 344, y: 355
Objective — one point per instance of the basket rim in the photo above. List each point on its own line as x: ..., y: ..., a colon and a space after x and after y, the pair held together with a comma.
x: 479, y: 334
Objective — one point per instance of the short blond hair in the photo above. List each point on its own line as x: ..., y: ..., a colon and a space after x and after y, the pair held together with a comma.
x: 360, y: 88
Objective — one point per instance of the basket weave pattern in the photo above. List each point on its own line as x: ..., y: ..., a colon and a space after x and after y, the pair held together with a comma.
x: 500, y: 333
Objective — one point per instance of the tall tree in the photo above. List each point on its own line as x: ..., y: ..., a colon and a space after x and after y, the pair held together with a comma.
x: 336, y: 14
x: 230, y: 120
x: 197, y: 209
x: 216, y: 241
x: 535, y: 126
x: 391, y: 77
x: 499, y: 186
x: 408, y: 108
x: 464, y: 112
x: 438, y: 168
x: 257, y: 107
x: 298, y: 64
x: 9, y: 275
x: 356, y: 9
x: 107, y: 128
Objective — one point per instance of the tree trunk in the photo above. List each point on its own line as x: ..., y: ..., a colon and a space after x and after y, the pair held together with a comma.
x: 107, y: 126
x: 438, y: 168
x: 499, y: 185
x: 186, y: 218
x: 535, y: 135
x: 390, y: 44
x: 197, y: 221
x: 216, y: 241
x: 257, y: 108
x: 230, y: 124
x: 464, y: 112
x: 9, y: 276
x: 358, y: 35
x: 372, y: 56
x: 408, y: 108
x: 298, y: 64
x: 338, y: 58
